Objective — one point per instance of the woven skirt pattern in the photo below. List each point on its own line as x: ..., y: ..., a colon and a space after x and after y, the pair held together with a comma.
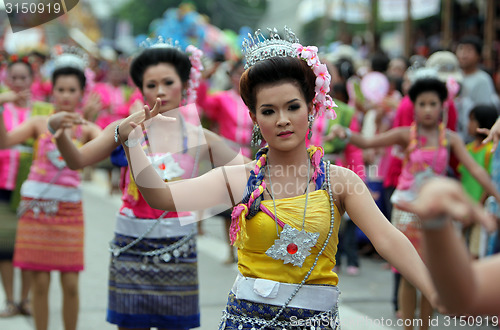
x: 246, y: 315
x: 151, y: 291
x: 51, y: 242
x: 409, y: 224
x: 8, y: 225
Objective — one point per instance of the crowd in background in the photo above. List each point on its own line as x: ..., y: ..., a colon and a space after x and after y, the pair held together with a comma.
x: 372, y: 97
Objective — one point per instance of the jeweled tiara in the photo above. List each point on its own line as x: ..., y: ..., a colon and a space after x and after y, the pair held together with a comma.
x: 257, y: 47
x: 69, y: 56
x: 160, y: 42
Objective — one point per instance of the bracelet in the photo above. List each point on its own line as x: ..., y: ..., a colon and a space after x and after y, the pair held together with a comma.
x: 117, y: 133
x: 2, y: 109
x: 348, y: 134
x: 132, y: 143
x: 433, y: 224
x: 51, y: 130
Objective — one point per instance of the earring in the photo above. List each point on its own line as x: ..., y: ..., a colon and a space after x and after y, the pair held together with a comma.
x: 256, y: 140
x: 310, y: 118
x: 184, y: 97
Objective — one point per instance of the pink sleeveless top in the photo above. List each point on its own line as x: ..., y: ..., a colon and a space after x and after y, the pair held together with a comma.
x: 169, y: 167
x: 48, y: 163
x: 419, y: 158
x: 13, y: 116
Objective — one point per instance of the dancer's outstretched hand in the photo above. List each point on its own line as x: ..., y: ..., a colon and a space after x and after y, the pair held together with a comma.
x: 441, y: 197
x: 336, y: 131
x: 11, y: 96
x: 493, y: 134
x: 133, y: 126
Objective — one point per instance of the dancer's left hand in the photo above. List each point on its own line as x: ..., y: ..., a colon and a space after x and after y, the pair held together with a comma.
x: 133, y: 126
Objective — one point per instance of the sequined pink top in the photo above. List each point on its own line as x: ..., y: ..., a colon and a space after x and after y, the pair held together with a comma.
x: 134, y: 204
x: 47, y: 162
x: 13, y: 116
x: 421, y: 157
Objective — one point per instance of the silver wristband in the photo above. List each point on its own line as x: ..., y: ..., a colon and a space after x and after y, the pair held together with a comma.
x: 433, y: 224
x: 117, y: 133
x: 348, y: 134
x: 130, y: 143
x: 51, y: 130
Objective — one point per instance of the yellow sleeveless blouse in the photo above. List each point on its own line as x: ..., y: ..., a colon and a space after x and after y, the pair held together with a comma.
x: 261, y: 230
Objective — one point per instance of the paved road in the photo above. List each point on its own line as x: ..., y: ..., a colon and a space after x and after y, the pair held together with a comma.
x: 364, y: 302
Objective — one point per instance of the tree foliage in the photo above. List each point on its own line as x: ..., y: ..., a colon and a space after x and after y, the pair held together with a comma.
x: 225, y: 14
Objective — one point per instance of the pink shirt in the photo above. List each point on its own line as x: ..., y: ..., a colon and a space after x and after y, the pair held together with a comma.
x: 134, y: 205
x: 113, y: 104
x: 353, y: 156
x: 421, y: 157
x: 48, y: 165
x: 405, y: 117
x: 41, y: 90
x: 9, y: 158
x: 230, y: 112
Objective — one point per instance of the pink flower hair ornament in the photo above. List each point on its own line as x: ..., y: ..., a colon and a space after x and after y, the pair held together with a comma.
x: 195, y: 55
x: 453, y: 87
x: 322, y: 102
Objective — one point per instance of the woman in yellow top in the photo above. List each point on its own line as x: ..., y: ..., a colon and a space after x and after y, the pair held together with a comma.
x: 286, y: 225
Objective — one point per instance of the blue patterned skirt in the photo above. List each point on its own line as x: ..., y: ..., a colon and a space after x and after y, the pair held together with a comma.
x: 247, y: 315
x: 147, y: 292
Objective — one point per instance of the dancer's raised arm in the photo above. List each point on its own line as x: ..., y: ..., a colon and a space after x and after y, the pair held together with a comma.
x: 465, y: 286
x: 389, y: 242
x: 221, y: 186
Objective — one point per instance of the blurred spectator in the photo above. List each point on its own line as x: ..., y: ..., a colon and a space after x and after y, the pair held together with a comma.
x: 477, y: 86
x: 482, y: 116
x: 397, y: 67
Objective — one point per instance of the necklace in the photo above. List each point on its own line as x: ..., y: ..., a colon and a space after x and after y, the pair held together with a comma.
x: 293, y: 245
x: 325, y: 244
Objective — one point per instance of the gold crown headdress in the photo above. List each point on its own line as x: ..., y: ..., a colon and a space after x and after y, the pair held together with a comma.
x: 257, y: 47
x: 69, y: 56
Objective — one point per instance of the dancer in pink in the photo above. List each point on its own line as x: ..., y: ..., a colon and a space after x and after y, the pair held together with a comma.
x: 228, y: 110
x: 428, y: 146
x: 50, y: 235
x: 16, y: 107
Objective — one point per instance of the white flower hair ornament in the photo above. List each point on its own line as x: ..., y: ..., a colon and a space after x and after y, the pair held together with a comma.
x: 69, y: 56
x: 323, y: 103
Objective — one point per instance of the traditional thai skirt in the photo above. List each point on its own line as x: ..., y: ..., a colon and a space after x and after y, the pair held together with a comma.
x: 9, y: 201
x: 153, y: 276
x: 8, y: 225
x: 409, y: 224
x: 254, y: 303
x: 50, y: 233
